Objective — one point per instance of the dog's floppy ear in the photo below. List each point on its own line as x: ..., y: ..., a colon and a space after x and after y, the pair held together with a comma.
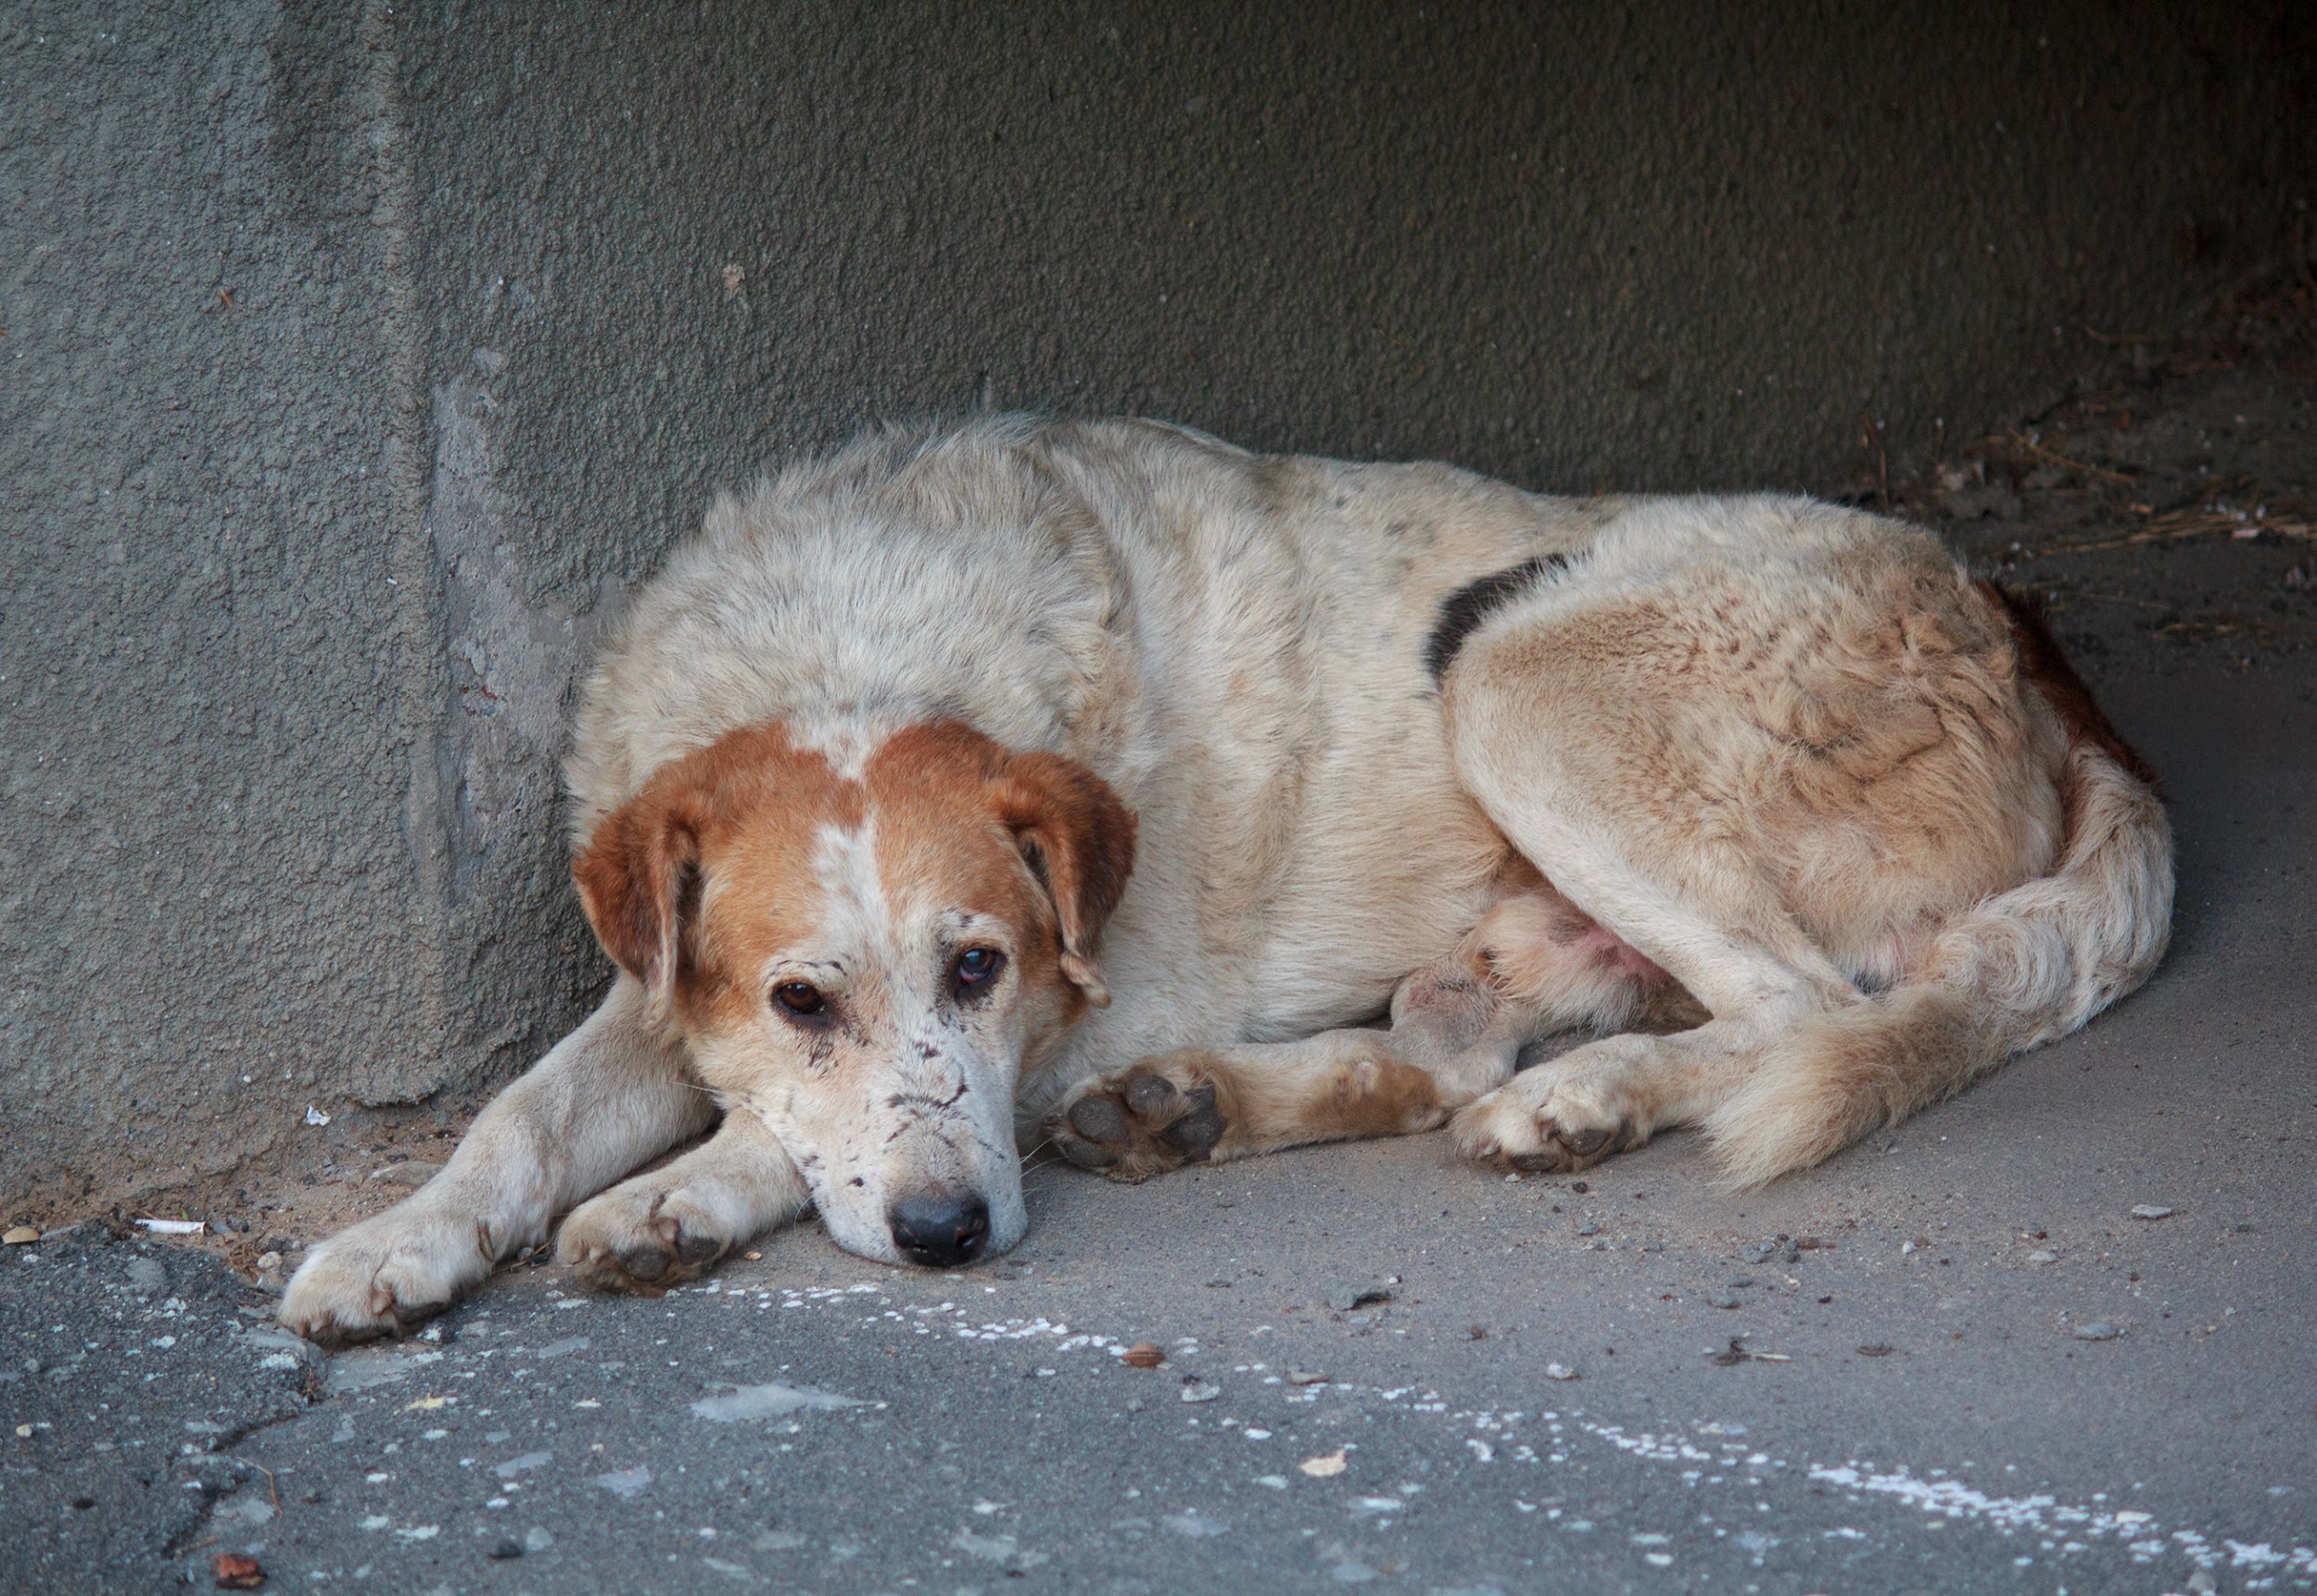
x: 640, y: 878
x: 1080, y: 840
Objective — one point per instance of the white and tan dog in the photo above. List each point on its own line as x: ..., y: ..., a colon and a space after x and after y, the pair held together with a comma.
x: 1807, y: 826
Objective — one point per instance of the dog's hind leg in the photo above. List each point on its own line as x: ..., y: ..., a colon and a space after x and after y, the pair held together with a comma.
x: 605, y: 1098
x: 655, y: 1229
x: 1533, y: 966
x: 1612, y: 1094
x: 1775, y: 766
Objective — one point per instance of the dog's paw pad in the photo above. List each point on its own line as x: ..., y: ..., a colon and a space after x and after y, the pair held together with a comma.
x: 1101, y: 1124
x: 1153, y: 1118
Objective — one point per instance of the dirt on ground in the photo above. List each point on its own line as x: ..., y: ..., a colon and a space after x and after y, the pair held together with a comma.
x: 2165, y: 510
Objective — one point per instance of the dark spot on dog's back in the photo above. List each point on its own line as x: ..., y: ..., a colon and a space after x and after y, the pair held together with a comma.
x: 1462, y: 610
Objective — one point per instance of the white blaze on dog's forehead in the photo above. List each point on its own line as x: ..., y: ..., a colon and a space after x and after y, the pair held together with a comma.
x: 844, y: 864
x: 846, y: 742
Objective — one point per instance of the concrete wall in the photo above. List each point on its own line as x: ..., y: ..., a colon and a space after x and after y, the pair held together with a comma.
x: 355, y: 364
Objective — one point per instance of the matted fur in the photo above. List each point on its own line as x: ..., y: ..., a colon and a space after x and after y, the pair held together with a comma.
x: 1803, y: 825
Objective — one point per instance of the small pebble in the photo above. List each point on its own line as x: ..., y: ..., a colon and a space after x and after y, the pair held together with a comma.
x: 1198, y: 1390
x: 2042, y: 1257
x: 2097, y: 1330
x: 1588, y: 1229
x: 1344, y: 1298
x: 236, y: 1571
x: 506, y: 1550
x: 1743, y: 1283
x: 1723, y: 1300
x: 20, y: 1235
x: 1559, y: 1371
x: 1875, y: 1349
x: 1580, y: 1187
x: 2149, y: 1210
x: 1142, y: 1355
x: 1307, y: 1377
x: 1759, y: 1252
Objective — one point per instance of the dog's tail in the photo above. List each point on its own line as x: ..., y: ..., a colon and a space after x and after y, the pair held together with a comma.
x: 2013, y: 971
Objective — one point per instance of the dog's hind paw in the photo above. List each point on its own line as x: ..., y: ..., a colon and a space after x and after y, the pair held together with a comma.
x: 383, y: 1276
x: 1555, y: 1131
x: 1155, y: 1116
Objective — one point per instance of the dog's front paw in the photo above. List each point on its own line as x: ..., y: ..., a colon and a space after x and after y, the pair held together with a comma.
x: 385, y: 1275
x: 1543, y: 1126
x: 640, y: 1239
x: 1157, y: 1115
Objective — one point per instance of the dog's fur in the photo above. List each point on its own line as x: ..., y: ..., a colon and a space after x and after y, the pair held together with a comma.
x: 1808, y: 827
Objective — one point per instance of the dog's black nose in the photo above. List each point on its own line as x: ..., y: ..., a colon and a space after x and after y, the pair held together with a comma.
x: 939, y: 1230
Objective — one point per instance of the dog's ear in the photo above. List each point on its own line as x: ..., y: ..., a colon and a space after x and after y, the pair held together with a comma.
x: 1080, y: 840
x: 640, y: 878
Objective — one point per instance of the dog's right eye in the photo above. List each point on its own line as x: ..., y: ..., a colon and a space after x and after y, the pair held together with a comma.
x: 798, y: 997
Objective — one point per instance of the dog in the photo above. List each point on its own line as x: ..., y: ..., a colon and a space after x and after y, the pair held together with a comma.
x: 1102, y: 785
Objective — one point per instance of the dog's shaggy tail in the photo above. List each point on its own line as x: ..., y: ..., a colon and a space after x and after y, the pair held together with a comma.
x: 2012, y: 973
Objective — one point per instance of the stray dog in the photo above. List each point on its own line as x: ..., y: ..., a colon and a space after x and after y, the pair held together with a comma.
x: 1101, y: 784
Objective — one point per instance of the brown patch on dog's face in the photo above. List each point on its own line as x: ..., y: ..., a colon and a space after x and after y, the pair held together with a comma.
x: 869, y: 956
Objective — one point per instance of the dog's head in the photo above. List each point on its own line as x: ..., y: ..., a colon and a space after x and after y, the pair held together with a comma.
x: 868, y: 953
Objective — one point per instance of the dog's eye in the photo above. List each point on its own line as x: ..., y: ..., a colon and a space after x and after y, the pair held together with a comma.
x: 800, y: 998
x: 975, y: 969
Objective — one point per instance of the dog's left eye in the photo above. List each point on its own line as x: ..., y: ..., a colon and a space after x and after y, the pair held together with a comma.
x: 975, y: 968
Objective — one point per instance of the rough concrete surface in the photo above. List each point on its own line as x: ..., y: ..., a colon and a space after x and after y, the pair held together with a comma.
x: 356, y: 361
